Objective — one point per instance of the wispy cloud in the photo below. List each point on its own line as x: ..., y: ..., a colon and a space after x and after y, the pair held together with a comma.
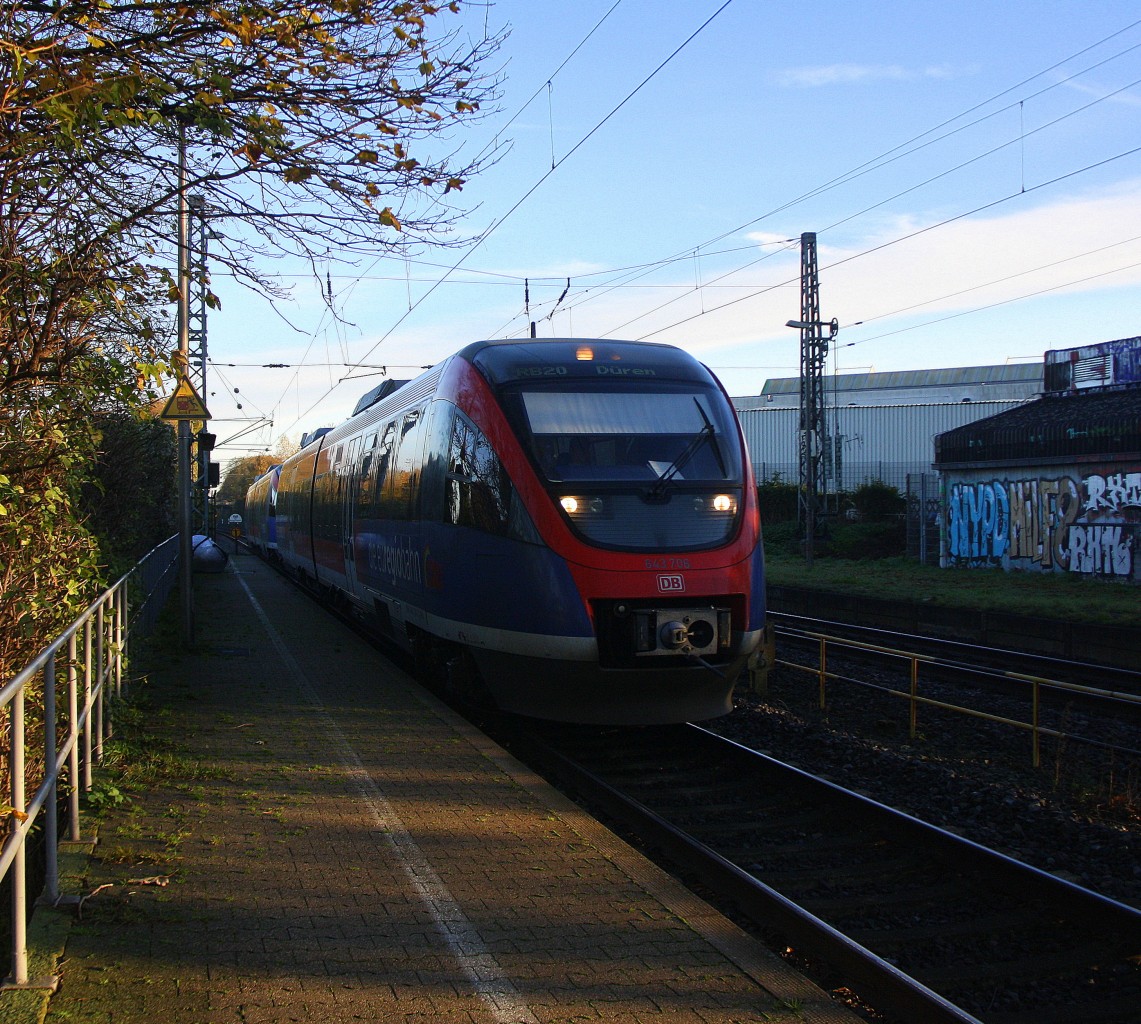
x: 841, y: 74
x: 1097, y: 92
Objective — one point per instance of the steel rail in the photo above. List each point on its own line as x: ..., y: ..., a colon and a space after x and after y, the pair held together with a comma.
x: 1053, y: 663
x: 883, y: 985
x: 894, y: 991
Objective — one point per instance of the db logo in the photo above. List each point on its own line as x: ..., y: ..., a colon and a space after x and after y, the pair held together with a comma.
x: 671, y: 584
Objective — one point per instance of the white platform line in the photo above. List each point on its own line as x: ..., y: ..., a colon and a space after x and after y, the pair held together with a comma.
x: 488, y: 981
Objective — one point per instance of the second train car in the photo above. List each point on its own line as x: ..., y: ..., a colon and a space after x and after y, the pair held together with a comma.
x: 570, y: 525
x: 260, y: 521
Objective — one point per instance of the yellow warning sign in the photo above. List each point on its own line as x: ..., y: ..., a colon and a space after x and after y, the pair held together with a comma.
x: 185, y: 404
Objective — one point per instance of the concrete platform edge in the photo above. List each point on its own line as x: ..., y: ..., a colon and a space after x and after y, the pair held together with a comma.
x: 741, y: 949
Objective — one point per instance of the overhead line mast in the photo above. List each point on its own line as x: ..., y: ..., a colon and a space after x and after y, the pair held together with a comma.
x: 199, y: 233
x: 813, y: 433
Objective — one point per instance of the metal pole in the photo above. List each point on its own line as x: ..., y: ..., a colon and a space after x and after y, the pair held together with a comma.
x: 88, y: 703
x: 73, y: 739
x: 100, y: 677
x: 811, y: 373
x: 51, y: 810
x: 913, y: 716
x: 1035, y: 735
x: 19, y: 864
x: 184, y: 482
x: 822, y: 680
x: 117, y: 628
x: 198, y: 233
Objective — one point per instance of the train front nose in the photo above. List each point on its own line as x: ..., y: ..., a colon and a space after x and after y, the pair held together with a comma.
x: 688, y: 634
x: 627, y: 633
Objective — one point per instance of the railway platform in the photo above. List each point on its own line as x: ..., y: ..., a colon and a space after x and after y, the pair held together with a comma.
x: 317, y: 839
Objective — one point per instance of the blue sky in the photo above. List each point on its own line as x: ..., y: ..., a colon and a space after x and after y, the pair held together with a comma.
x: 972, y: 171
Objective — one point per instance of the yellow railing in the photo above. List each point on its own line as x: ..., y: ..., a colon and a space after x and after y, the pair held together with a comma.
x: 915, y: 699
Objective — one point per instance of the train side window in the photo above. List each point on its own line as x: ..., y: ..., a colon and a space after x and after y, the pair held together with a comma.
x: 479, y: 490
x: 438, y: 420
x: 406, y: 465
x: 346, y: 478
x: 381, y: 459
x: 364, y: 479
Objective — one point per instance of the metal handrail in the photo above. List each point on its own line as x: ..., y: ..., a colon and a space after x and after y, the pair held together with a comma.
x: 103, y: 630
x: 915, y: 699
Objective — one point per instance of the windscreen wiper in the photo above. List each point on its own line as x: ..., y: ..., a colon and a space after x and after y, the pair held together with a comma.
x: 708, y: 432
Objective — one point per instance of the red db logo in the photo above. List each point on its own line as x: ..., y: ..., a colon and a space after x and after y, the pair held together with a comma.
x: 671, y: 584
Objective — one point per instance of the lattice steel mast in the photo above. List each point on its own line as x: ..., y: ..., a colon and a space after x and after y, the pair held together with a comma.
x: 199, y: 233
x: 813, y: 353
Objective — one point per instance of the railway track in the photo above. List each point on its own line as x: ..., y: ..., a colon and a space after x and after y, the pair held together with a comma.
x: 1050, y: 702
x: 923, y: 925
x: 965, y: 655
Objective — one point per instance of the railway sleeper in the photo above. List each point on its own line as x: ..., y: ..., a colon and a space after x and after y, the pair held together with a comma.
x: 1057, y: 966
x: 831, y: 908
x: 994, y: 926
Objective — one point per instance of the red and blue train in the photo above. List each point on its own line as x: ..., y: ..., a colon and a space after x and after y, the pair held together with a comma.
x: 570, y: 526
x: 260, y: 522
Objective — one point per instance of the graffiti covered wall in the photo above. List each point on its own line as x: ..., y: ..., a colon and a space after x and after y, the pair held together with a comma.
x: 1062, y: 519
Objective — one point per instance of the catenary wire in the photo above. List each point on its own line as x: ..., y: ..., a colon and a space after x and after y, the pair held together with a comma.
x: 689, y: 252
x: 529, y: 192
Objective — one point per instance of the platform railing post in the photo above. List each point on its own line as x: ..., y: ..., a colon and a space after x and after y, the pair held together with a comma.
x: 89, y: 710
x: 117, y: 602
x: 124, y: 619
x: 823, y: 676
x: 913, y: 715
x: 19, y: 863
x: 1035, y: 731
x: 73, y: 741
x: 100, y: 676
x: 51, y: 810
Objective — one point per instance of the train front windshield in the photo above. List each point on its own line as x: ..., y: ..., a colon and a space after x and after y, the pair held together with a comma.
x: 649, y: 468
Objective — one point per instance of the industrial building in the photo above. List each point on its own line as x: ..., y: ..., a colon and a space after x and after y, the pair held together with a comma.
x: 1055, y: 484
x: 879, y: 426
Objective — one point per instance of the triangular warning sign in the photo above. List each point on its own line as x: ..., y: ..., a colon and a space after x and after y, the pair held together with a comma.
x: 185, y: 404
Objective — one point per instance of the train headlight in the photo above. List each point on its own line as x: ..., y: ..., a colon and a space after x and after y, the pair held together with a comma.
x: 576, y: 506
x: 722, y: 503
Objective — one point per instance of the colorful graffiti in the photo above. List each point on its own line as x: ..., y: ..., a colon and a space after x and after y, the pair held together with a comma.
x: 1087, y: 525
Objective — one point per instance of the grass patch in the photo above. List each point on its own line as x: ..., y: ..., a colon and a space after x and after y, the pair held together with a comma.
x: 1067, y: 596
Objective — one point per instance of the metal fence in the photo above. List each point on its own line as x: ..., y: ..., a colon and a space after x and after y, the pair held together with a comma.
x: 924, y: 517
x: 1033, y: 689
x: 856, y: 474
x: 78, y: 671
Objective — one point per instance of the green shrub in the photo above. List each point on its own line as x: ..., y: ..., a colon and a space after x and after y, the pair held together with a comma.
x: 884, y: 538
x: 777, y: 501
x: 877, y: 499
x: 784, y: 537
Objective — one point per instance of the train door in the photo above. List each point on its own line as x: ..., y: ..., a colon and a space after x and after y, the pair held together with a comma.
x: 348, y: 493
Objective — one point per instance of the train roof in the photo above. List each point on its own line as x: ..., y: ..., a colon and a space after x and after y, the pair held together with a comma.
x: 382, y: 390
x: 504, y: 362
x: 269, y: 472
x: 311, y: 436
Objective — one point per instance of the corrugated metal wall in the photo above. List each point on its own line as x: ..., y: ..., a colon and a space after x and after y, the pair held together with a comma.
x: 876, y: 442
